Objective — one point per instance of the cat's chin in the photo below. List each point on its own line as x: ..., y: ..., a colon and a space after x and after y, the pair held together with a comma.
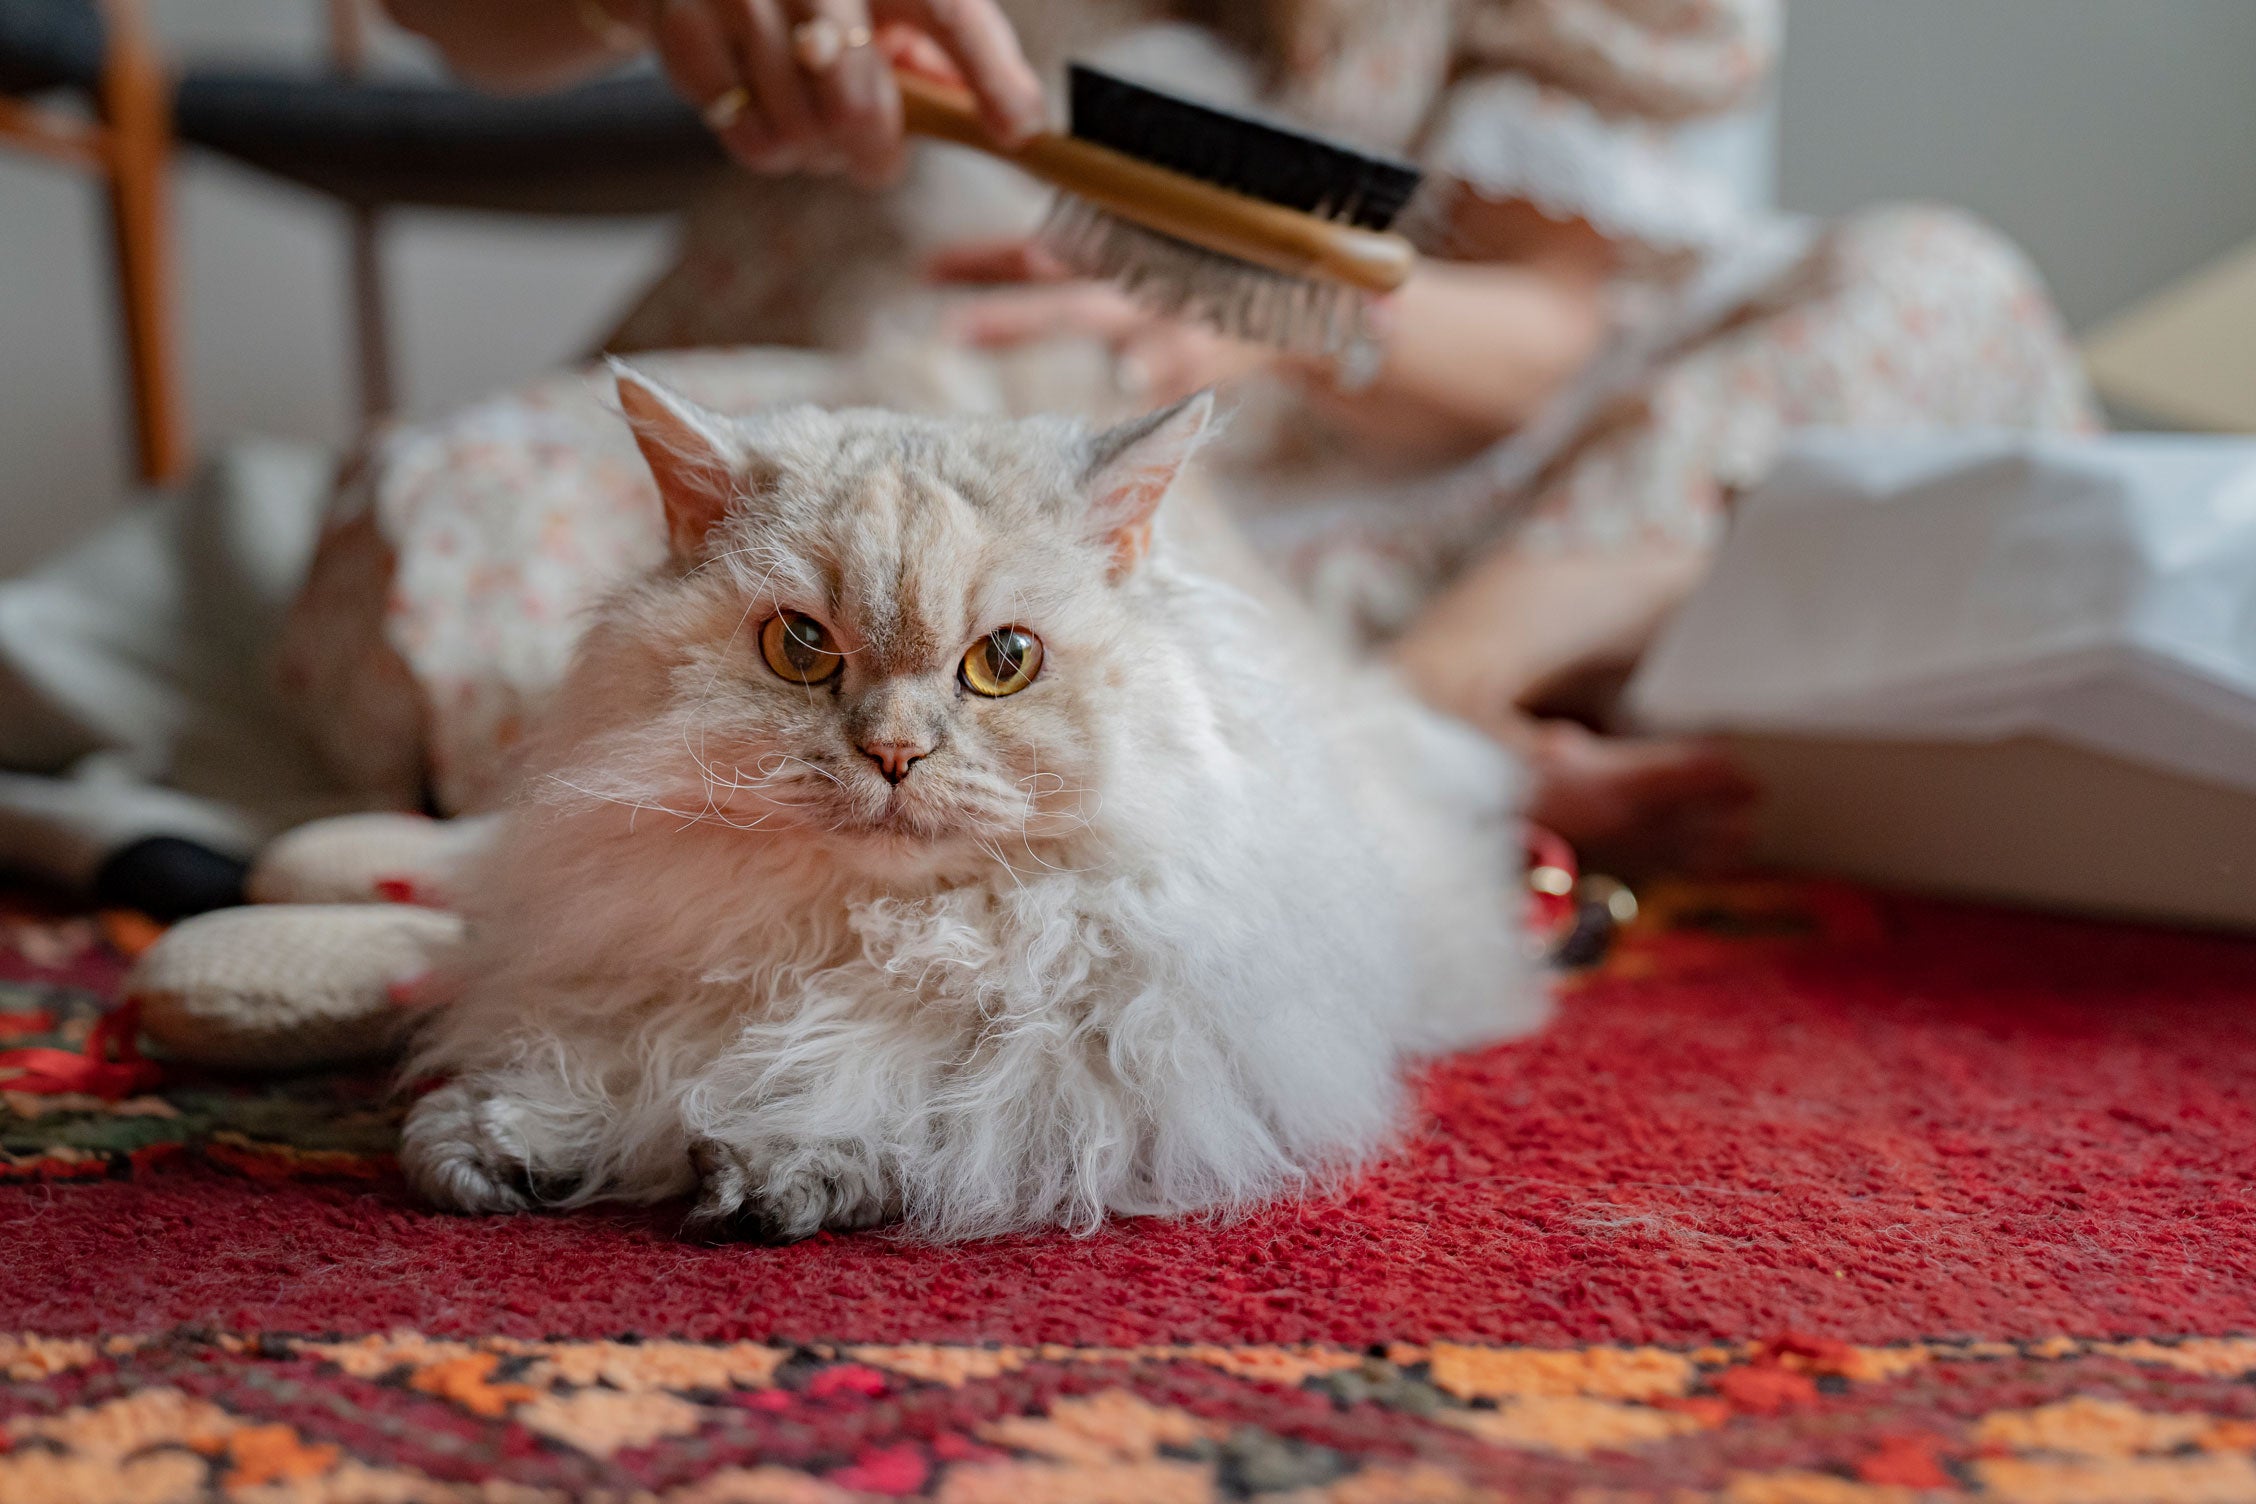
x: 896, y: 856
x: 901, y: 823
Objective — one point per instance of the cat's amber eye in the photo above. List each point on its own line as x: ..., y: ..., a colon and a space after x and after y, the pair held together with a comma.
x: 799, y: 648
x: 1003, y: 662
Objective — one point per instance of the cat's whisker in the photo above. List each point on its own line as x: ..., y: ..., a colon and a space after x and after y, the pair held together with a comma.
x: 1030, y: 807
x: 818, y: 771
x: 777, y: 560
x: 1074, y: 820
x: 755, y: 594
x: 639, y: 806
x: 719, y: 812
x: 697, y: 757
x: 713, y: 813
x: 1046, y: 864
x: 996, y: 851
x: 727, y: 555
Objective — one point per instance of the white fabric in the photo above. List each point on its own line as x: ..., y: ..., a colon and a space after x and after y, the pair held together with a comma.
x: 142, y: 657
x: 1739, y: 150
x: 1509, y: 137
x: 2101, y: 592
x: 351, y: 859
x: 285, y: 987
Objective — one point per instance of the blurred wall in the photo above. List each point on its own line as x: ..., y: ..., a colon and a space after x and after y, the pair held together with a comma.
x: 263, y: 324
x: 2116, y: 139
x: 477, y: 303
x: 2112, y: 137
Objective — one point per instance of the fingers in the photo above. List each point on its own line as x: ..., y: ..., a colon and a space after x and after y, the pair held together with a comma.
x: 1010, y: 261
x: 1168, y: 360
x: 1161, y: 364
x: 1006, y: 319
x: 1153, y: 359
x: 911, y: 51
x: 1665, y: 771
x: 978, y: 39
x: 860, y: 107
x: 698, y: 58
x: 759, y: 33
x: 1638, y: 801
x: 801, y: 84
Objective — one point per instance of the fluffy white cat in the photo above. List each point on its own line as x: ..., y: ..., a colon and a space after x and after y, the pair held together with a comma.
x: 951, y: 835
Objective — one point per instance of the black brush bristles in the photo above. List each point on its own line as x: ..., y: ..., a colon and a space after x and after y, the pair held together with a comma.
x: 1273, y: 163
x: 1244, y: 155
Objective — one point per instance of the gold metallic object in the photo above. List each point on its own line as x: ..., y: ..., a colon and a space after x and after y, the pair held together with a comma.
x: 727, y: 109
x: 1620, y: 903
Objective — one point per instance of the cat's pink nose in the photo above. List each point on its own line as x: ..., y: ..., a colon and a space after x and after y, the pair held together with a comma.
x: 894, y: 759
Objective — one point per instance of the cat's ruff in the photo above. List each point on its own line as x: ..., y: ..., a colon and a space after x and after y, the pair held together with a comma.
x: 1151, y: 933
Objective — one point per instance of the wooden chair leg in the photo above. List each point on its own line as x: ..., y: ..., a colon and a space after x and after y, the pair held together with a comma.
x: 137, y: 132
x: 372, y: 340
x: 371, y: 308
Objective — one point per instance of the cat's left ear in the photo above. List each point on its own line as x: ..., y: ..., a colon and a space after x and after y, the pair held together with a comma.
x: 1130, y: 468
x: 692, y: 454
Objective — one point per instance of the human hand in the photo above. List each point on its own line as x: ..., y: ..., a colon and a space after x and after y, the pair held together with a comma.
x: 807, y: 85
x: 1156, y: 359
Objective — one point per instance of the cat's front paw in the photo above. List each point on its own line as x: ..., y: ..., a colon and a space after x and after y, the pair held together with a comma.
x: 462, y: 1151
x: 774, y: 1191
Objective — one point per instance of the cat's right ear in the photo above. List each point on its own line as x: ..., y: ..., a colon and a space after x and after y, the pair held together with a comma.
x: 691, y: 453
x: 1129, y: 469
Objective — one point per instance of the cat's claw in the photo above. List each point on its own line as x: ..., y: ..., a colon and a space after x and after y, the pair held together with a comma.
x: 459, y: 1154
x: 779, y: 1193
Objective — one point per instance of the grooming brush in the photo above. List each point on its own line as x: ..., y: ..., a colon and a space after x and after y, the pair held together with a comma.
x: 1264, y: 232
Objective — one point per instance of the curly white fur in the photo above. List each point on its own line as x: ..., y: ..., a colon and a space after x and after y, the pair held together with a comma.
x: 1151, y: 936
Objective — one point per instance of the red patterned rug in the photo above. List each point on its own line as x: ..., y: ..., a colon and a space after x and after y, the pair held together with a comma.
x: 1808, y: 1196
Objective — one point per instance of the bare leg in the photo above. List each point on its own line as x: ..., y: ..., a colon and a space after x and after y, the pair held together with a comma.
x: 1516, y: 636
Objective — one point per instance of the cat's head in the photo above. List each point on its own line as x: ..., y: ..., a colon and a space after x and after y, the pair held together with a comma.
x: 883, y: 631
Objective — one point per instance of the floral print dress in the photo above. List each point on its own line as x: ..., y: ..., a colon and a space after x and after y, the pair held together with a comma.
x: 443, y: 601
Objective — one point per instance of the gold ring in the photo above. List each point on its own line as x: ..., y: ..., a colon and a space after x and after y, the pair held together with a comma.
x: 819, y: 44
x: 727, y: 109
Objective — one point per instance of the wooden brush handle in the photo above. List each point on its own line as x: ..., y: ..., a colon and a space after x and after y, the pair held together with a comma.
x: 1215, y: 219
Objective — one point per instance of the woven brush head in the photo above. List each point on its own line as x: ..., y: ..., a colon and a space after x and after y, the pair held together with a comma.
x: 1257, y: 158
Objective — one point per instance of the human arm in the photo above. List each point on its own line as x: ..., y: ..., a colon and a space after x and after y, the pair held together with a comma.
x: 1467, y: 351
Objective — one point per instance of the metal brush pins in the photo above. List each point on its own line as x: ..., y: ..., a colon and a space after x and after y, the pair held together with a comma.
x: 1180, y: 280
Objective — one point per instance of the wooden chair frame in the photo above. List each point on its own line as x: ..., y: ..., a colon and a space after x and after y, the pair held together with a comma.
x: 128, y: 144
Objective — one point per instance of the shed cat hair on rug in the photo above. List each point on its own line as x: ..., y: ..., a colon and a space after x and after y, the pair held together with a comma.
x: 952, y: 833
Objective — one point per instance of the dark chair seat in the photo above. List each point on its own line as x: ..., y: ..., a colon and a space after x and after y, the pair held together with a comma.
x: 616, y: 146
x: 49, y: 44
x: 625, y: 145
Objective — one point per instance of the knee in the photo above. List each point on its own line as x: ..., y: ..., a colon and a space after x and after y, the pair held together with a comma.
x: 1926, y: 246
x: 1963, y: 305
